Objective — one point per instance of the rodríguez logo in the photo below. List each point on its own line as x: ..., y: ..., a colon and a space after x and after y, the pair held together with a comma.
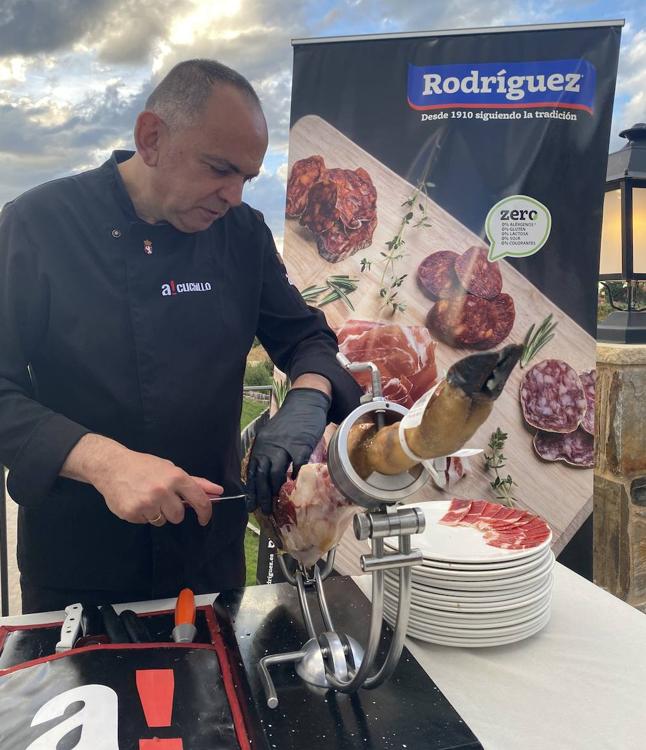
x: 171, y: 288
x: 568, y: 84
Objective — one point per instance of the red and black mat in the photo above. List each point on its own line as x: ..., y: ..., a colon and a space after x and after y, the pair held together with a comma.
x: 153, y: 696
x: 207, y: 695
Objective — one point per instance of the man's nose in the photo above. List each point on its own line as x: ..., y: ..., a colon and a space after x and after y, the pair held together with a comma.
x: 231, y: 191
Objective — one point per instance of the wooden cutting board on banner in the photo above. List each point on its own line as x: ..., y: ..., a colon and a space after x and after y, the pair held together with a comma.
x: 560, y: 493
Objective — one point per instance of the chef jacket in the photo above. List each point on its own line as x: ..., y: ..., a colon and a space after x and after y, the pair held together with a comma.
x: 138, y: 332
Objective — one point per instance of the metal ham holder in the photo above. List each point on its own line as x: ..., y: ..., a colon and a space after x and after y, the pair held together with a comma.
x: 336, y: 660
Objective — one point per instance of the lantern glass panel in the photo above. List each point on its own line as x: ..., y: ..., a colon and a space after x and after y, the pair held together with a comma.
x: 639, y: 229
x: 611, y: 233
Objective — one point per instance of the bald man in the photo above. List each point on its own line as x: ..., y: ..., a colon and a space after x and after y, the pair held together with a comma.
x: 130, y: 296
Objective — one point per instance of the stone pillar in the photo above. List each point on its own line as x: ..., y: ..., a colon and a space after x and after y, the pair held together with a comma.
x: 619, y: 556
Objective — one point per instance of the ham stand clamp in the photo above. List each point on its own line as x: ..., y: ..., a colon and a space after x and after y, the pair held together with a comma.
x: 336, y: 660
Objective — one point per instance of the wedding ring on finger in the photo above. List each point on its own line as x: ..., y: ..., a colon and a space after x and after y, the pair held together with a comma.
x: 159, y: 520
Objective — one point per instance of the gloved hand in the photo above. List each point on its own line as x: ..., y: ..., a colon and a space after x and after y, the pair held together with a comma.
x: 289, y: 437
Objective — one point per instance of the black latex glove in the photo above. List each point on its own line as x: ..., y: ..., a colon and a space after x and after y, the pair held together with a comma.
x: 289, y: 437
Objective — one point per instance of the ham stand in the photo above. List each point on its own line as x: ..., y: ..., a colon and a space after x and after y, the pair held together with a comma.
x: 336, y: 660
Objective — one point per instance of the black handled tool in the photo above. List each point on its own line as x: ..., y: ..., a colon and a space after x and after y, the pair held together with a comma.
x: 135, y: 627
x: 112, y: 625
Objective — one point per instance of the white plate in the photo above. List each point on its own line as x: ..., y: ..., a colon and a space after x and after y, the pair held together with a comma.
x: 423, y: 609
x: 461, y: 543
x: 476, y: 602
x: 481, y: 602
x: 438, y: 580
x: 451, y: 574
x: 479, y: 642
x: 422, y: 578
x: 473, y: 623
x: 470, y: 566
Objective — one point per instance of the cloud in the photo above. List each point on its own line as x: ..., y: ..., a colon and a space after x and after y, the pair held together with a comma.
x: 133, y: 29
x: 267, y: 193
x: 74, y: 73
x: 457, y: 14
x: 28, y: 26
x: 45, y: 140
x: 630, y: 97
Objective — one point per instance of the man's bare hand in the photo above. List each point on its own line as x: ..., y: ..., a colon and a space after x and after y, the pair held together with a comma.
x: 138, y: 487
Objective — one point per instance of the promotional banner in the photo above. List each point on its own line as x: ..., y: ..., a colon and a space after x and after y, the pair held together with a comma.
x: 444, y: 197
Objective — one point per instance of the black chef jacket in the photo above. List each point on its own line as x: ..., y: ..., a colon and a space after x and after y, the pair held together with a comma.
x: 140, y: 333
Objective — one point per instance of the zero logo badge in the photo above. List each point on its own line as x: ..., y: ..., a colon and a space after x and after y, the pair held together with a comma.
x: 517, y: 226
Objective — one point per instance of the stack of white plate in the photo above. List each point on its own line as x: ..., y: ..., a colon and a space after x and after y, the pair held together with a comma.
x: 468, y: 593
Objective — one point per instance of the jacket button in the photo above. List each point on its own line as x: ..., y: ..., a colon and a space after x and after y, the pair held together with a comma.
x: 116, y: 233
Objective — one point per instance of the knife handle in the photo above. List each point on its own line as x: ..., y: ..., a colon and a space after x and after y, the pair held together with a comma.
x: 135, y: 627
x: 71, y: 627
x: 91, y: 621
x: 185, y: 630
x: 113, y: 627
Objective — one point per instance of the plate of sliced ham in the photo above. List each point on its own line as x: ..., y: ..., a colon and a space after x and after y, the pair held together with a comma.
x: 478, y: 531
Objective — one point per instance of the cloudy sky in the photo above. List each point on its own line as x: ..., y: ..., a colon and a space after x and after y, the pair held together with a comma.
x: 74, y: 73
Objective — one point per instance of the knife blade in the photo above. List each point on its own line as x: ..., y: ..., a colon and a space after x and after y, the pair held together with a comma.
x: 218, y: 498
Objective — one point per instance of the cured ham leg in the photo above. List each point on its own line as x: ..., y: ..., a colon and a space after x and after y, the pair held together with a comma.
x: 310, y: 515
x: 457, y: 407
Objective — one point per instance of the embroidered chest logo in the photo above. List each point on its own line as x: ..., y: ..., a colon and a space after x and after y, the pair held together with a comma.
x: 148, y: 247
x: 171, y: 288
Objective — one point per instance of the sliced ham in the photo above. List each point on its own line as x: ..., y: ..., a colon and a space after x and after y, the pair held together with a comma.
x: 507, y: 528
x: 405, y: 356
x: 309, y: 515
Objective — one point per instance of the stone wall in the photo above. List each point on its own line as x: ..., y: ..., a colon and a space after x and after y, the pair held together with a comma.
x: 620, y: 473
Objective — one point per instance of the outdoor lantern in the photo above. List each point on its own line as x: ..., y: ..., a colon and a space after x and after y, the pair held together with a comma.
x: 623, y: 239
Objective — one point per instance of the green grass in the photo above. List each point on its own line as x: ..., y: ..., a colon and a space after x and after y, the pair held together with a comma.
x: 250, y: 410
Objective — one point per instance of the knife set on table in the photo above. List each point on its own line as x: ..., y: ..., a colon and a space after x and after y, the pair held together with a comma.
x: 122, y: 680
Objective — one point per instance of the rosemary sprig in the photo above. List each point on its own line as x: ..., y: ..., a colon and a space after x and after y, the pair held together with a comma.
x: 536, y: 340
x: 502, y: 486
x: 336, y: 287
x: 390, y: 281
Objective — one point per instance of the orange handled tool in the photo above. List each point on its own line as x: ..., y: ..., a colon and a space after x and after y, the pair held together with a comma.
x: 185, y: 630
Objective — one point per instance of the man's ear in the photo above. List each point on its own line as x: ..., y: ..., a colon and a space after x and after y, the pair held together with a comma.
x: 149, y: 131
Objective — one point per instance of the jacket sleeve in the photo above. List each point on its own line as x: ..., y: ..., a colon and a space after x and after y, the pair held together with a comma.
x: 297, y: 337
x: 34, y: 440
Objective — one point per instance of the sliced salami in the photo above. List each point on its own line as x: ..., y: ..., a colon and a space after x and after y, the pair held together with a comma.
x: 575, y: 448
x: 341, y: 211
x: 589, y: 381
x: 320, y: 212
x: 477, y: 275
x: 356, y: 196
x: 471, y: 321
x: 338, y: 242
x: 552, y: 397
x: 304, y: 174
x: 436, y: 275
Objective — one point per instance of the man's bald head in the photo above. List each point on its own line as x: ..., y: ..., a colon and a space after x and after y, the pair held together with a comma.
x: 181, y: 96
x: 201, y: 138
